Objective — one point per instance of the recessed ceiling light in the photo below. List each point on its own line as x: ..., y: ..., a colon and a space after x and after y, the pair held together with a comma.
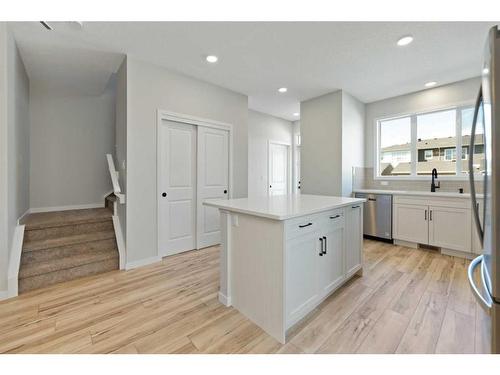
x: 430, y: 84
x: 282, y: 89
x: 404, y: 41
x: 296, y: 114
x: 212, y: 59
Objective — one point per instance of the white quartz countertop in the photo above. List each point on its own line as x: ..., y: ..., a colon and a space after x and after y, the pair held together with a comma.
x: 416, y: 192
x: 282, y: 207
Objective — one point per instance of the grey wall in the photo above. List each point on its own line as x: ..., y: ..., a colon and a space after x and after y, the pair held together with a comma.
x: 296, y: 161
x: 14, y: 154
x: 332, y: 130
x: 463, y: 92
x: 70, y: 135
x: 321, y: 149
x: 121, y: 139
x: 4, y: 243
x: 150, y: 88
x: 263, y: 128
x: 353, y: 135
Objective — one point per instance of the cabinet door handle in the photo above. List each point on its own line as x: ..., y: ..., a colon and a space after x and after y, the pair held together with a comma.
x: 326, y: 245
x: 321, y: 251
x: 305, y: 225
x: 430, y: 215
x: 355, y: 207
x: 425, y: 215
x: 334, y: 217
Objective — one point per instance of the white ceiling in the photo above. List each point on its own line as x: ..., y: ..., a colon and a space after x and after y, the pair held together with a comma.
x: 310, y: 58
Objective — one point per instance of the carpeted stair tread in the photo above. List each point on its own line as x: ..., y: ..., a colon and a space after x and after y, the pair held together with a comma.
x: 62, y: 218
x: 65, y: 263
x: 43, y: 255
x: 34, y: 245
x: 47, y: 279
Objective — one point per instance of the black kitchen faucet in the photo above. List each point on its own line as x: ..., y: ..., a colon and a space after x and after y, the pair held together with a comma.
x: 434, y: 184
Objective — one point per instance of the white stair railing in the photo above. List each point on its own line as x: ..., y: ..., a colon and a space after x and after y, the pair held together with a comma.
x: 114, y: 179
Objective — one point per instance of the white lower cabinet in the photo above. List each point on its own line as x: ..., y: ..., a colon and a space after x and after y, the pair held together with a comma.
x: 440, y: 222
x: 450, y: 228
x: 353, y: 253
x: 330, y: 264
x: 319, y: 262
x: 410, y: 223
x: 301, y: 274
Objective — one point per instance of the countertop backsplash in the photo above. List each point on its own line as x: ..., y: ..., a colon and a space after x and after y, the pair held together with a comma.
x: 363, y: 179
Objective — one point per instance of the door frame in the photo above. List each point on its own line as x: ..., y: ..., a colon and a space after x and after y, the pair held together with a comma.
x: 164, y: 115
x: 288, y: 164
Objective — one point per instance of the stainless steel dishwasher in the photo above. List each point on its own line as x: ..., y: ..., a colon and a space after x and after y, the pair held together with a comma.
x: 377, y: 220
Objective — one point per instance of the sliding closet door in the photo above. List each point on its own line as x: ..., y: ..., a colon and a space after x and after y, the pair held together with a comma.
x: 213, y: 181
x: 177, y: 216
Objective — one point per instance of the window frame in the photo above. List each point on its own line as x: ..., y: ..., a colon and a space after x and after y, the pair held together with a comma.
x: 414, y: 153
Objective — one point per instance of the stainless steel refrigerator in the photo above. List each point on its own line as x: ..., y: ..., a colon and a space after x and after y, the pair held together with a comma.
x: 487, y: 119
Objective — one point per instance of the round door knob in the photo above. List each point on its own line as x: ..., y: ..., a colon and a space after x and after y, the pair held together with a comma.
x: 225, y: 191
x: 270, y: 186
x: 164, y: 195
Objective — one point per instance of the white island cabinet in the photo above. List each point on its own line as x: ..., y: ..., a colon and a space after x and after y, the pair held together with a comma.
x: 282, y: 255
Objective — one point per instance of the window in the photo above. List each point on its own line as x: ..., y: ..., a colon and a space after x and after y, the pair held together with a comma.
x: 450, y: 154
x: 415, y: 144
x: 395, y: 146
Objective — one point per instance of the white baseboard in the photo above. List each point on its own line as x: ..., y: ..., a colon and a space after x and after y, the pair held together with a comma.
x: 120, y: 241
x: 15, y: 261
x: 27, y: 212
x: 142, y: 262
x: 457, y: 253
x: 411, y: 245
x: 3, y: 294
x: 226, y: 301
x: 66, y: 208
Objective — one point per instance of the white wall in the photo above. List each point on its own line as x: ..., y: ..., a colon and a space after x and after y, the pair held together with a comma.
x: 463, y: 92
x: 353, y: 135
x: 321, y: 149
x: 150, y: 88
x: 263, y: 128
x: 121, y: 140
x: 14, y: 150
x: 70, y: 135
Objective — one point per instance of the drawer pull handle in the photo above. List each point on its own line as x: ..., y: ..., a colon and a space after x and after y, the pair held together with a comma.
x: 326, y: 246
x: 305, y: 225
x: 355, y: 207
x: 372, y: 199
x: 335, y: 217
x: 321, y: 250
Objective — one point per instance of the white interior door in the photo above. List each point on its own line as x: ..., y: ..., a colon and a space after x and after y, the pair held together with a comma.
x: 213, y: 181
x: 177, y: 216
x: 278, y: 168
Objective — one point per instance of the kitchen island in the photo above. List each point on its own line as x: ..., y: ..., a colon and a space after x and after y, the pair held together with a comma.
x: 281, y: 256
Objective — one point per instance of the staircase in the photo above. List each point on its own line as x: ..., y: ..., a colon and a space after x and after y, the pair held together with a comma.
x: 66, y: 245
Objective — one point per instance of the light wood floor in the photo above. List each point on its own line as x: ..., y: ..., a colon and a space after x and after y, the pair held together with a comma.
x: 408, y: 301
